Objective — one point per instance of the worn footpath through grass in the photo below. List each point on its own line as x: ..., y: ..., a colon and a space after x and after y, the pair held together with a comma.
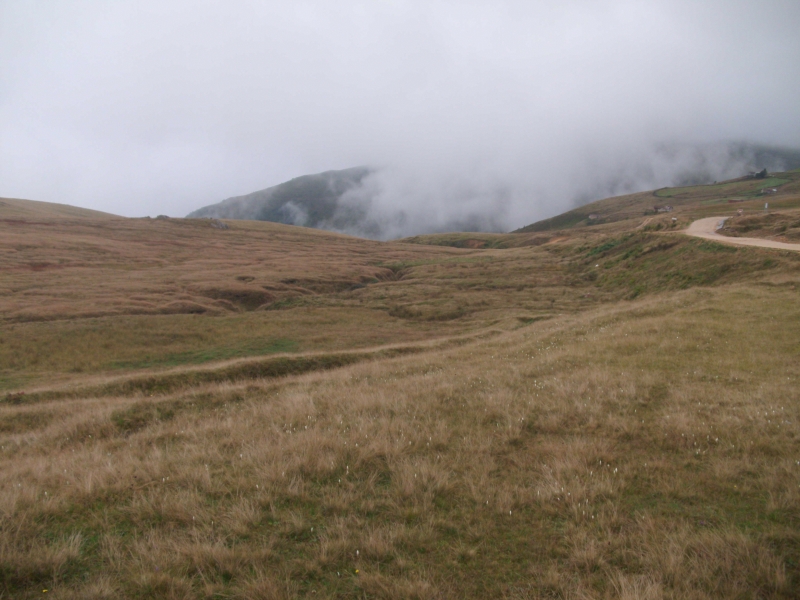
x: 649, y: 450
x: 272, y: 412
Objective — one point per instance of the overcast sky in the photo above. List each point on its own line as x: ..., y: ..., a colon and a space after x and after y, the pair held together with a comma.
x: 140, y: 108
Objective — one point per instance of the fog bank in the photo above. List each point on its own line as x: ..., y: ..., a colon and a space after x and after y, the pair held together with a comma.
x: 400, y: 202
x: 477, y: 115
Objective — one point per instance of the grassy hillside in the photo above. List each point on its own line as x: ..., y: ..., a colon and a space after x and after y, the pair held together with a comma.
x: 782, y: 226
x: 268, y: 411
x: 688, y: 203
x: 14, y: 208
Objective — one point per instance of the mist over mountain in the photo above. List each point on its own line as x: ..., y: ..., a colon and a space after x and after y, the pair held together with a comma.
x: 388, y: 202
x: 470, y: 115
x: 309, y: 201
x: 675, y: 164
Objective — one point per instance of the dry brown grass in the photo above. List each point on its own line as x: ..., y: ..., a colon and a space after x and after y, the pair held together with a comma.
x: 549, y: 439
x: 645, y: 451
x: 65, y: 268
x: 85, y: 313
x: 81, y: 295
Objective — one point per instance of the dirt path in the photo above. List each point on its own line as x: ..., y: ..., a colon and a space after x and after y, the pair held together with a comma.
x: 707, y: 229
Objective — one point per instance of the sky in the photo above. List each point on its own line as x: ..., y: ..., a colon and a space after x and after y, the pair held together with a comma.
x: 512, y: 111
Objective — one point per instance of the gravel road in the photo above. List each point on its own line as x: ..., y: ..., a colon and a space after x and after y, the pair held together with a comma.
x: 707, y: 228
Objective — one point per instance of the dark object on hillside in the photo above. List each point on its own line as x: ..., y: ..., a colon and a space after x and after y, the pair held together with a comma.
x: 162, y: 217
x: 217, y: 224
x: 762, y: 174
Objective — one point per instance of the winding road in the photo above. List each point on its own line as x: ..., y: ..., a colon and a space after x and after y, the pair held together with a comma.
x: 707, y: 229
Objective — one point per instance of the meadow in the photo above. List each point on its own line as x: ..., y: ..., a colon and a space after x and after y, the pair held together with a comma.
x: 264, y: 411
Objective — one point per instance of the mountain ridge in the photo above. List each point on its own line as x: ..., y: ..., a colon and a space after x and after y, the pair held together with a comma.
x: 309, y: 200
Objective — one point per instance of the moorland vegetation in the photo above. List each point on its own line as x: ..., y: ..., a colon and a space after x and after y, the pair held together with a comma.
x: 588, y: 408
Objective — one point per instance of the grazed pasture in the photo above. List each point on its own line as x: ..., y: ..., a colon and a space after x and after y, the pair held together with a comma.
x: 601, y: 414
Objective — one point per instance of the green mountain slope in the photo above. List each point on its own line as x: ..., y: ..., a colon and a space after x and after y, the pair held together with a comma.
x: 310, y: 201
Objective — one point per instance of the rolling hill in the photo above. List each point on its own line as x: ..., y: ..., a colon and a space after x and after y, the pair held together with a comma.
x: 14, y: 208
x: 581, y: 410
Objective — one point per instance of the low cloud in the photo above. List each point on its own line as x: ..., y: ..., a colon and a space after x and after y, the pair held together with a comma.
x: 394, y: 203
x: 477, y: 115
